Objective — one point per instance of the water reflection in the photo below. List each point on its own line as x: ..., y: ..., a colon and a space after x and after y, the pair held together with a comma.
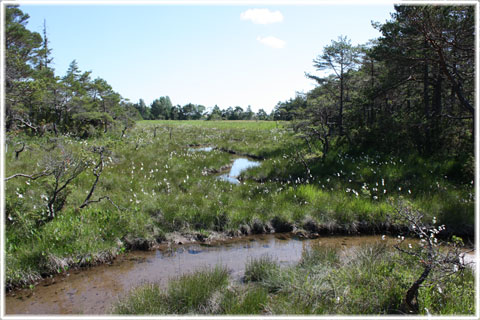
x: 94, y: 290
x: 206, y: 149
x: 239, y: 165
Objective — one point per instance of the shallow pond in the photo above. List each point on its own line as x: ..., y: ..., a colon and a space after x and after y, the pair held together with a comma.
x: 93, y: 291
x: 238, y: 166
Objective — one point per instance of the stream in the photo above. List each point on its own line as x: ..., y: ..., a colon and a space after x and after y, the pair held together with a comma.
x: 94, y: 290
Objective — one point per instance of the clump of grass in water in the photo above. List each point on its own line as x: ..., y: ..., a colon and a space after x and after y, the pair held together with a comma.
x: 191, y: 292
x: 147, y: 299
x: 260, y: 269
x: 187, y: 294
x: 319, y: 254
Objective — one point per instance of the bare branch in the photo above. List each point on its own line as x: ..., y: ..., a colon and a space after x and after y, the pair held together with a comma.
x: 31, y: 177
x: 445, y: 262
x: 97, y: 171
x: 100, y: 199
x: 26, y: 123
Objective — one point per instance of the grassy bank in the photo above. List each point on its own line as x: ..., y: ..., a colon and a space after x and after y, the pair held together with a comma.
x: 365, y: 280
x: 158, y: 185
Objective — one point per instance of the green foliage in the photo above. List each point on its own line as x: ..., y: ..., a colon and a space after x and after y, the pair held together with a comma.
x: 86, y: 124
x: 411, y: 89
x: 40, y: 102
x: 161, y: 108
x: 187, y: 294
x: 365, y: 280
x: 162, y: 186
x: 240, y: 301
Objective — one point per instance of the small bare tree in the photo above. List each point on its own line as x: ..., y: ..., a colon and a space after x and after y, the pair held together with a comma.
x: 439, y: 259
x: 63, y: 169
x: 60, y: 170
x: 97, y: 171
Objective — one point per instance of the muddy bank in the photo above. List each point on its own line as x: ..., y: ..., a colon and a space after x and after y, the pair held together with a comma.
x: 95, y: 290
x: 307, y: 229
x: 249, y: 155
x: 202, y: 147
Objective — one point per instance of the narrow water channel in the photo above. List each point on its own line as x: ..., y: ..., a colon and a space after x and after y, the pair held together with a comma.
x: 93, y: 291
x: 239, y: 165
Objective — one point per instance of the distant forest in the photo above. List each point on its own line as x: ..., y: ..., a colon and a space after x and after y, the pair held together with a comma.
x: 412, y: 88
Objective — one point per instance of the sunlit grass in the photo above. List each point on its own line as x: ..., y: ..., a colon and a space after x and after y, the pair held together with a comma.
x: 161, y: 185
x: 189, y: 294
x: 370, y: 279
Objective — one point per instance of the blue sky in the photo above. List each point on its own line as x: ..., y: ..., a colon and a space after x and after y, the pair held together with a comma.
x: 211, y: 54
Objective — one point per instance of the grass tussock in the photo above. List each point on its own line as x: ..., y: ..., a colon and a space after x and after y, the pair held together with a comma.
x: 259, y: 269
x: 189, y: 294
x: 365, y: 280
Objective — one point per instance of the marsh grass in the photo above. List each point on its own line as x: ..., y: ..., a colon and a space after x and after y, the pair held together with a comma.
x: 187, y: 294
x: 244, y: 300
x: 161, y: 187
x: 147, y: 299
x: 259, y: 269
x: 370, y: 279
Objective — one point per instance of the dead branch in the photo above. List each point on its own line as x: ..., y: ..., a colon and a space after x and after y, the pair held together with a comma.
x: 97, y: 171
x: 31, y: 176
x: 100, y: 199
x: 26, y: 123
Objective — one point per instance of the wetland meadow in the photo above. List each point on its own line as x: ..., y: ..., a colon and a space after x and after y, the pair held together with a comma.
x: 166, y: 184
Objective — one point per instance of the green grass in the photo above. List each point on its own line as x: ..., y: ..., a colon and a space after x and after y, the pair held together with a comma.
x: 366, y: 280
x: 259, y: 269
x: 189, y: 294
x: 161, y: 186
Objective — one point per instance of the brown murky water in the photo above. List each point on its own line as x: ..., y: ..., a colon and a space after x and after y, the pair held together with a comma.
x: 93, y: 291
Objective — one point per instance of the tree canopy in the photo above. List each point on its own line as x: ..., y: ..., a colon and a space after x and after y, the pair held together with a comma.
x: 37, y: 100
x: 410, y: 89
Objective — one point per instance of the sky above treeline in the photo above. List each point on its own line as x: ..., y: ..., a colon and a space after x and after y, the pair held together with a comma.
x: 225, y: 55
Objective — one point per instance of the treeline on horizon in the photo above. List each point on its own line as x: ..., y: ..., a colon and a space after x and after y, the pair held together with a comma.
x: 163, y: 109
x: 410, y: 89
x: 37, y: 101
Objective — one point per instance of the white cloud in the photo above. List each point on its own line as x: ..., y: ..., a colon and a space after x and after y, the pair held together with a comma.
x: 262, y: 16
x: 272, y: 42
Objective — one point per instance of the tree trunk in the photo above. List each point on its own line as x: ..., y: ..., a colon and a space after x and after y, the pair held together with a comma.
x: 426, y: 98
x: 340, y: 116
x: 412, y: 293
